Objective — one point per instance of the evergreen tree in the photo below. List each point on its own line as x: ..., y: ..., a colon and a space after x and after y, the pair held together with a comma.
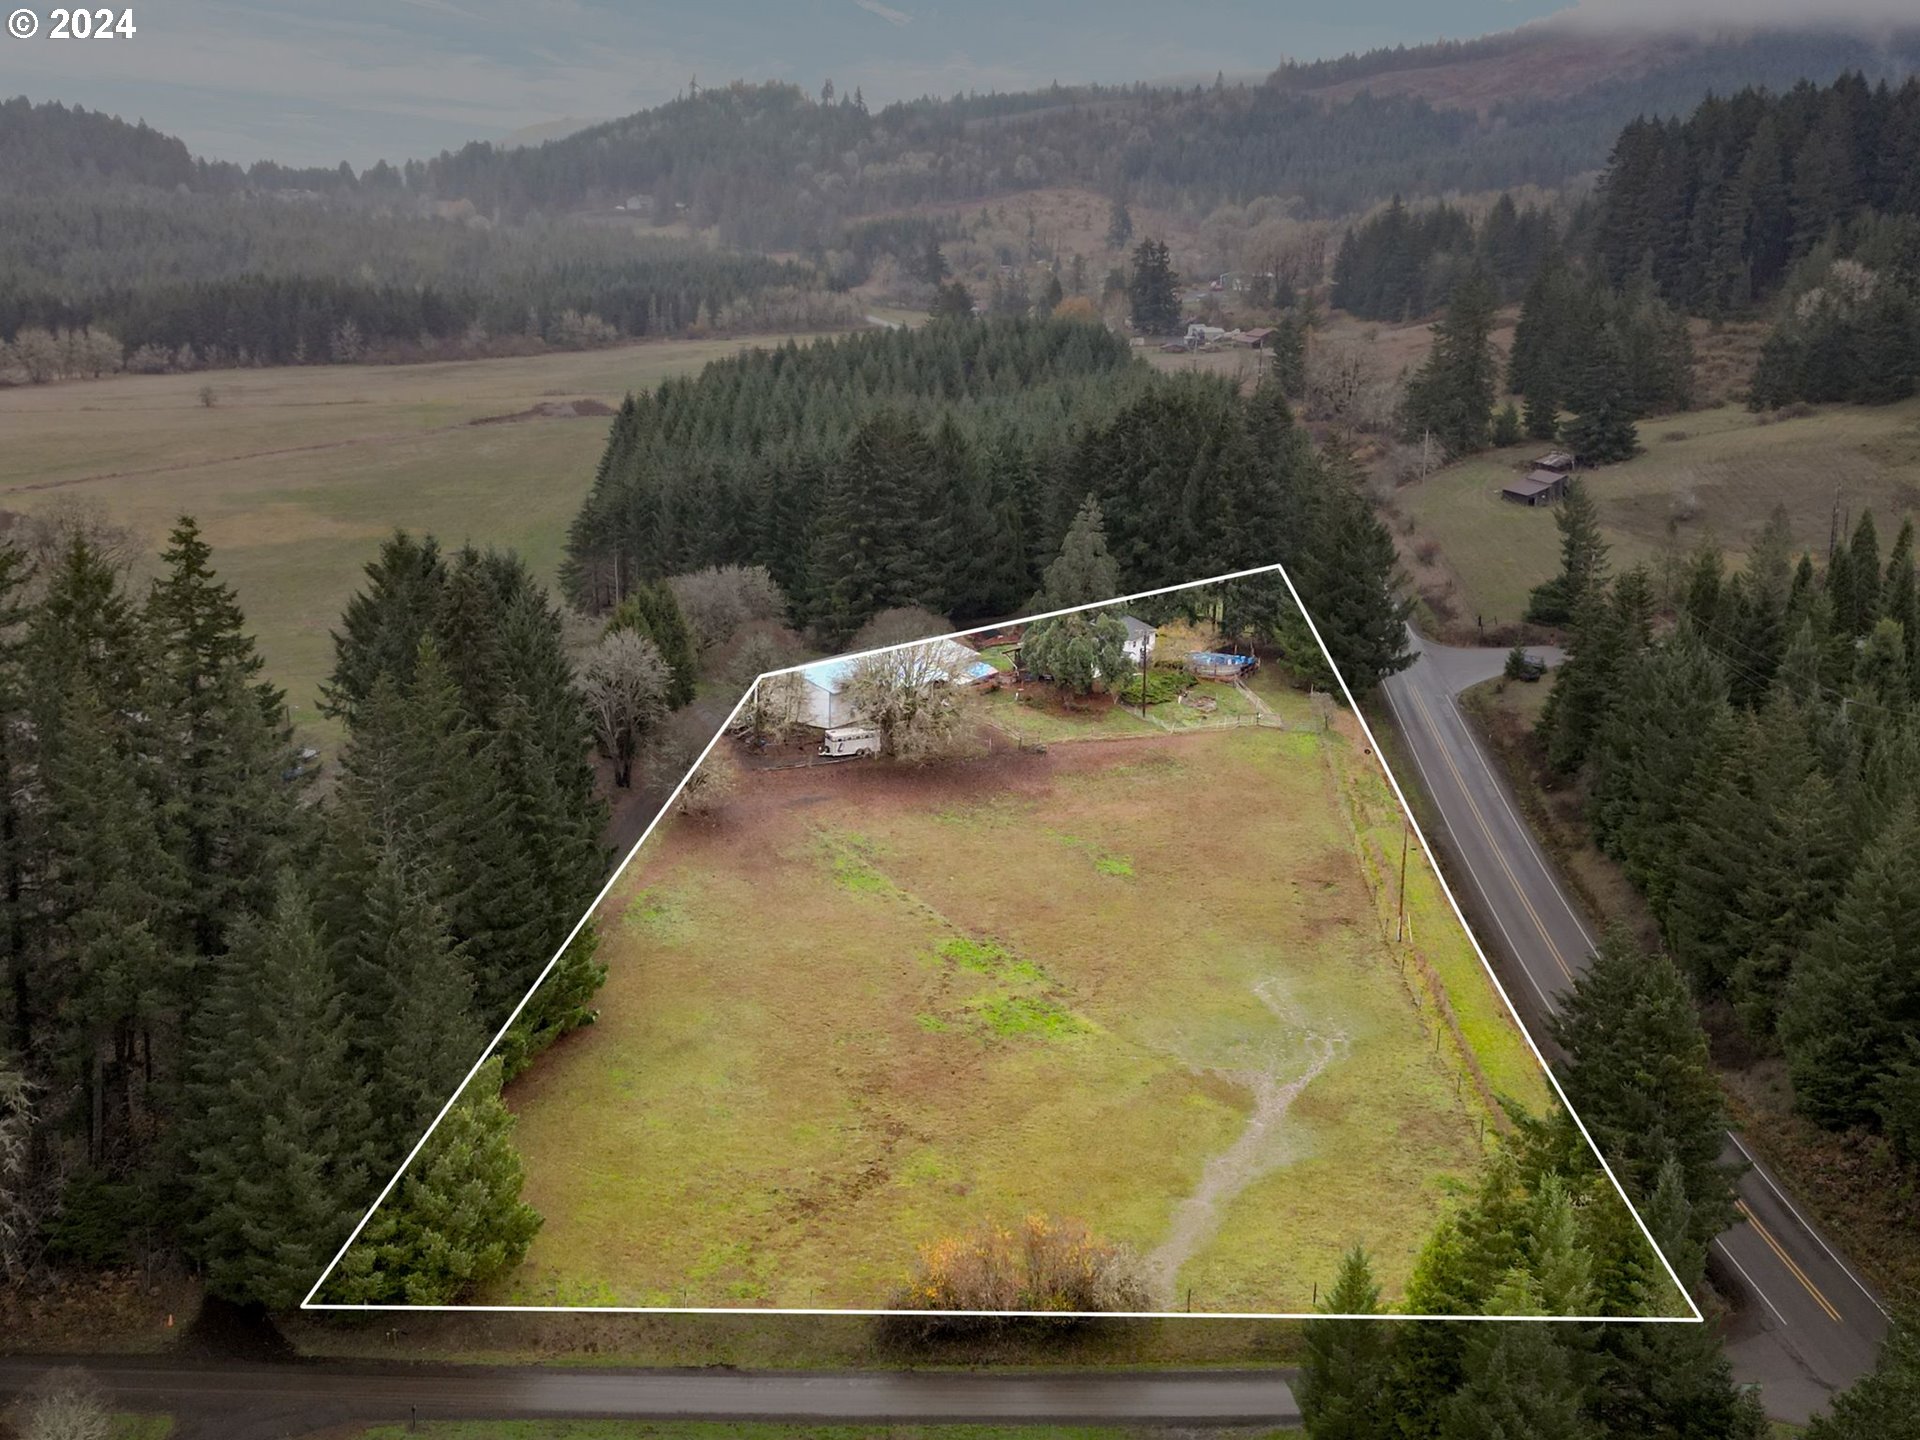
x: 1518, y: 1378
x: 1119, y: 225
x: 455, y: 1220
x: 1288, y: 346
x: 1340, y: 1386
x: 1569, y: 598
x: 1601, y: 431
x: 1451, y: 395
x: 1639, y: 1074
x: 1606, y: 640
x: 411, y: 1000
x: 868, y: 543
x: 1153, y: 291
x: 381, y: 630
x: 225, y: 744
x: 951, y: 301
x: 1084, y: 573
x: 279, y: 1117
x: 1884, y: 1405
x: 1855, y: 994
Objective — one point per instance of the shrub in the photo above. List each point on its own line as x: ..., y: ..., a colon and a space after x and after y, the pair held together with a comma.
x: 1041, y: 1264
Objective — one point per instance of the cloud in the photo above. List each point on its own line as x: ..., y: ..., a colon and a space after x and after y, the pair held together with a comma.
x: 1739, y: 14
x: 886, y: 13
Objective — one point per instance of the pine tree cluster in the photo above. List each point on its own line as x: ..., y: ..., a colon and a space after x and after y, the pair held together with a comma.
x: 1757, y: 773
x: 943, y: 469
x: 1809, y: 196
x: 239, y: 1010
x: 1404, y: 261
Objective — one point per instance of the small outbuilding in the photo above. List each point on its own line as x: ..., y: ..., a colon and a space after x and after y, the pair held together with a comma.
x: 1558, y: 461
x: 1537, y: 487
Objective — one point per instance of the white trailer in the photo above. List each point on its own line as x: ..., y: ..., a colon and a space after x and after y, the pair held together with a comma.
x: 845, y: 740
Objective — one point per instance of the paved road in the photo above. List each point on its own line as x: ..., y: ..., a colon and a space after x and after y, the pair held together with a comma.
x: 1811, y: 1326
x: 264, y: 1402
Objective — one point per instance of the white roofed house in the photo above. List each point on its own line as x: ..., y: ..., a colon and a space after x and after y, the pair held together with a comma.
x: 826, y: 704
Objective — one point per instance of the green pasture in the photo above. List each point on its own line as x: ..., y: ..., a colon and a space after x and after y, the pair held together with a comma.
x: 860, y: 1009
x: 1713, y: 473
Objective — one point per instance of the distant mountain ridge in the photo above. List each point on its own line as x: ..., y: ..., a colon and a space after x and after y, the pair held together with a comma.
x: 773, y: 167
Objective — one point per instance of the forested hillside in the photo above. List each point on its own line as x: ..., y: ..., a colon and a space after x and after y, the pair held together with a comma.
x: 943, y: 467
x: 1808, y: 199
x: 117, y: 248
x: 771, y: 165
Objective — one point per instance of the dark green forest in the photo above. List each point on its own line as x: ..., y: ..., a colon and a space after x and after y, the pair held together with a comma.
x: 1808, y: 199
x: 942, y: 467
x: 235, y: 1011
x: 1754, y: 770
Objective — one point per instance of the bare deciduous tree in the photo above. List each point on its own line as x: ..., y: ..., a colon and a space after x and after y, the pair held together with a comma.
x: 50, y: 532
x: 625, y: 683
x: 905, y: 694
x: 898, y: 626
x: 719, y: 600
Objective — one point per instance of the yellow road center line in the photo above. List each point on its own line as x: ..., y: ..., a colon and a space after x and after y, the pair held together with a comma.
x: 1787, y: 1260
x: 1519, y: 890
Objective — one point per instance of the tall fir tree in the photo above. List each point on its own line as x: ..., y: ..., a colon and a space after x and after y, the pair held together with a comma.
x: 279, y: 1117
x: 1341, y: 1385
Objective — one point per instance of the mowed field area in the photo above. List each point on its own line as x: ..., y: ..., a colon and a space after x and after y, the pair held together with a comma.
x: 1715, y: 473
x: 1151, y: 984
x: 296, y: 475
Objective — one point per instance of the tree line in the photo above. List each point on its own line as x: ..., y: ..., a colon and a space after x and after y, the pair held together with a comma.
x: 942, y: 468
x: 231, y: 1011
x: 1403, y: 262
x: 1753, y: 769
x: 1808, y: 200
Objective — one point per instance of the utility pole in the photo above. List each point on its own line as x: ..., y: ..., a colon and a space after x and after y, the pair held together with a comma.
x: 1406, y: 831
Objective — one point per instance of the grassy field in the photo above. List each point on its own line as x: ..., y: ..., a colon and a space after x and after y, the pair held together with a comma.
x: 297, y: 474
x: 1712, y: 473
x: 1151, y: 984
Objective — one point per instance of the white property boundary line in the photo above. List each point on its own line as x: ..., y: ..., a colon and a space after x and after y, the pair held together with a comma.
x: 1693, y: 1317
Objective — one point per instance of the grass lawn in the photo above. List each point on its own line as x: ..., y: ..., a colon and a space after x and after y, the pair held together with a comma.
x: 1043, y: 722
x: 1715, y: 473
x: 296, y: 475
x: 862, y: 1008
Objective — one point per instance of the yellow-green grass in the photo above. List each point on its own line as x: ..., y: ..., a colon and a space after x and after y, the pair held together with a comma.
x: 296, y: 475
x: 1042, y: 723
x: 862, y: 1009
x: 1715, y: 473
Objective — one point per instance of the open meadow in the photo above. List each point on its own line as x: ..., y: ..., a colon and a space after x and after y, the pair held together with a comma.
x: 1150, y: 983
x: 1711, y: 473
x: 296, y: 475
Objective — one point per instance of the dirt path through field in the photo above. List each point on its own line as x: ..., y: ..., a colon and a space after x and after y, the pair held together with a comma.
x: 1261, y: 1147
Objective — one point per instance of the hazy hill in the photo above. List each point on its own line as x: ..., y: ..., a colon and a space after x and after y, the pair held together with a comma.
x: 772, y: 165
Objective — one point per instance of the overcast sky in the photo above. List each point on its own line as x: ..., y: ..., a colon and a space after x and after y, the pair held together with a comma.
x: 364, y: 79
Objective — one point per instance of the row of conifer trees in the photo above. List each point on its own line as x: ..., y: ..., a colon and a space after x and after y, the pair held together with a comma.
x: 234, y: 1010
